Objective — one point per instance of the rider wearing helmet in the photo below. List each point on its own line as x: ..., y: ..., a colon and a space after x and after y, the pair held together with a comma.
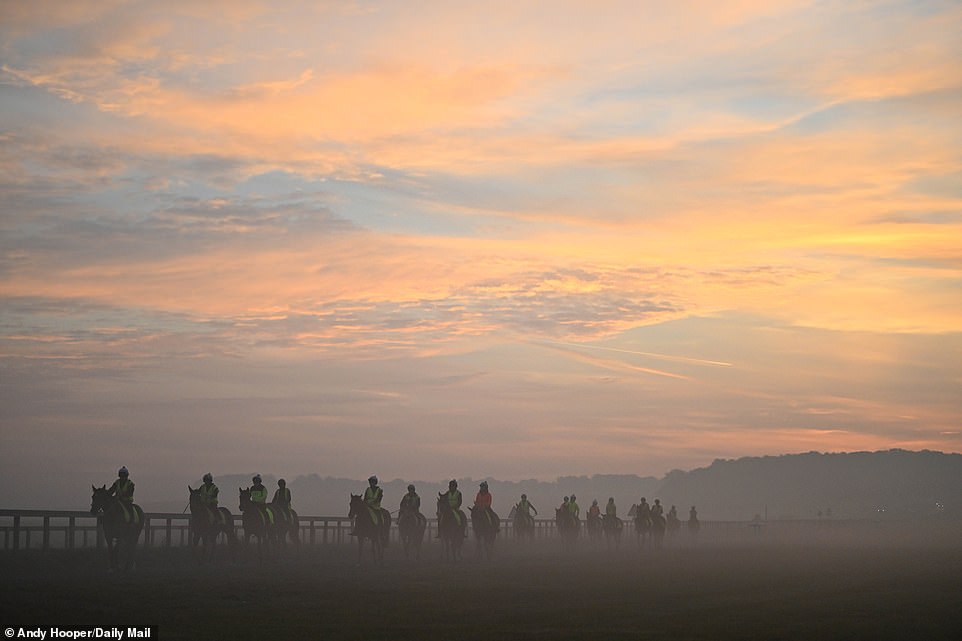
x: 282, y: 498
x: 594, y: 511
x: 258, y: 491
x: 454, y: 499
x: 123, y: 489
x: 410, y: 502
x: 611, y: 509
x: 208, y: 496
x: 372, y: 498
x: 573, y: 508
x: 482, y: 502
x: 209, y: 492
x: 656, y: 509
x: 524, y: 507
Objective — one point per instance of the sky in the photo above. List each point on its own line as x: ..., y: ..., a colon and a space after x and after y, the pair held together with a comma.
x: 432, y: 239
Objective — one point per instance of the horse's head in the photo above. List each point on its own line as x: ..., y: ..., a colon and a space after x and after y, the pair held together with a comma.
x: 357, y: 501
x: 245, y: 498
x: 195, y: 499
x: 100, y: 499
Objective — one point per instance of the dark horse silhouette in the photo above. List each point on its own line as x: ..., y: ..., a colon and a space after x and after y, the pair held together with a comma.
x: 593, y: 526
x: 206, y: 525
x: 485, y: 524
x: 613, y: 527
x: 366, y: 528
x: 642, y: 526
x: 259, y: 522
x: 658, y: 524
x: 523, y: 525
x: 411, y: 525
x: 121, y: 526
x: 287, y: 525
x: 449, y: 530
x: 568, y: 527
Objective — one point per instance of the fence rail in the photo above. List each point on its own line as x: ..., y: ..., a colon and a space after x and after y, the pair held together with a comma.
x: 61, y: 529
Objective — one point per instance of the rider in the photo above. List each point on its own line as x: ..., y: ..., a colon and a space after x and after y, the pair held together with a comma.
x: 644, y: 510
x: 208, y: 496
x: 672, y: 514
x: 259, y: 497
x: 594, y: 511
x: 611, y: 510
x: 656, y: 509
x: 482, y: 502
x: 564, y: 505
x: 454, y: 499
x: 123, y: 489
x: 282, y: 498
x: 693, y: 515
x: 524, y: 507
x: 573, y: 508
x: 410, y: 502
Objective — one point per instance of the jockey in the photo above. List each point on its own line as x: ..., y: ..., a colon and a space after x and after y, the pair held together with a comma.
x: 692, y: 514
x: 644, y: 510
x: 410, y: 502
x: 454, y: 499
x: 594, y: 511
x: 656, y: 509
x: 208, y: 496
x: 372, y: 498
x: 611, y: 510
x: 672, y: 515
x: 564, y: 505
x: 258, y: 491
x: 483, y: 502
x: 282, y: 498
x: 524, y: 507
x: 573, y: 508
x: 123, y: 489
x: 259, y: 498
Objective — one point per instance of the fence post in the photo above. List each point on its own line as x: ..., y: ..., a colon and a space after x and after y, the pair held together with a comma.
x: 46, y: 533
x: 312, y: 531
x: 167, y: 529
x: 71, y: 532
x: 16, y: 532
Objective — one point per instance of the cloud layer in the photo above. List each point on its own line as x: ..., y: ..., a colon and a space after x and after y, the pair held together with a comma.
x: 533, y: 240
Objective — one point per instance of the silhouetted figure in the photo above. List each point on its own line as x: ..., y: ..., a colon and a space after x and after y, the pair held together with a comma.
x: 123, y: 490
x: 282, y: 499
x: 482, y: 502
x: 693, y: 524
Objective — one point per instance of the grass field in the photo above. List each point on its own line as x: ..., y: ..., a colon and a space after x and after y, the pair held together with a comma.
x: 786, y: 591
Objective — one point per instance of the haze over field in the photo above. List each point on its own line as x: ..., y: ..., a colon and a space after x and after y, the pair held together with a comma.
x: 435, y: 240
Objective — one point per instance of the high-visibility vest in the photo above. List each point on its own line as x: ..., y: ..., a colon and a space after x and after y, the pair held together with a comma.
x: 259, y: 494
x: 208, y: 493
x: 124, y: 490
x: 524, y: 507
x: 574, y: 509
x: 373, y: 496
x: 454, y: 499
x: 411, y: 501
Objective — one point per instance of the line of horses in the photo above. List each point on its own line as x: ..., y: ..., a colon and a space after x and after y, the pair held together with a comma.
x: 274, y: 526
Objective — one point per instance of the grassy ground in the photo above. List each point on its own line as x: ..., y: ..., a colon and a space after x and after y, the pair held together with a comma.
x: 718, y: 592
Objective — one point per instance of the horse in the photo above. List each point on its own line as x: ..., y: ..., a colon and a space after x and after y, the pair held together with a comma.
x: 259, y: 522
x: 287, y: 525
x: 674, y: 523
x: 121, y: 525
x: 594, y: 526
x: 450, y: 531
x: 411, y: 525
x: 485, y: 524
x: 642, y: 526
x: 693, y: 524
x: 613, y: 527
x: 657, y: 530
x: 568, y: 527
x: 366, y: 527
x: 523, y: 525
x: 207, y: 524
